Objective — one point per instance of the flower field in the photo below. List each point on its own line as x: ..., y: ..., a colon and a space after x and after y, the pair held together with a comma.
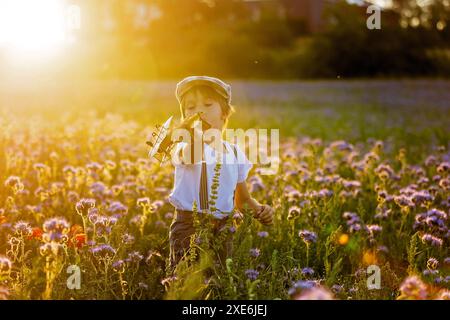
x: 361, y: 183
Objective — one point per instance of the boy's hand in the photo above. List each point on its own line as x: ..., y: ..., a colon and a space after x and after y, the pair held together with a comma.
x: 187, y: 123
x: 265, y: 214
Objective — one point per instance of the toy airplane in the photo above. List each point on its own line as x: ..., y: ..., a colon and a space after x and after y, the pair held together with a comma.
x: 157, y: 139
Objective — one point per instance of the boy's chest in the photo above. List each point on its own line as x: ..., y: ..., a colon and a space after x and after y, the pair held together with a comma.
x: 226, y: 171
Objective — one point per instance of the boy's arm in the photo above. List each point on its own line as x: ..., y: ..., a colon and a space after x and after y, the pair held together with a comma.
x: 243, y: 200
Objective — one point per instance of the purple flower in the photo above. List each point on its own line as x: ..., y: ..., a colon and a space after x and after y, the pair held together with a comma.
x: 294, y: 211
x: 134, y: 257
x: 5, y: 264
x: 93, y: 215
x: 337, y: 288
x: 434, y: 241
x: 127, y: 238
x: 251, y: 274
x: 414, y: 288
x: 84, y: 205
x: 351, y: 184
x: 404, y: 201
x: 23, y: 228
x: 103, y: 251
x: 384, y: 171
x: 315, y: 293
x: 136, y: 220
x: 103, y: 225
x: 374, y: 228
x: 438, y: 280
x: 421, y: 197
x: 292, y: 194
x: 12, y: 181
x: 324, y: 193
x: 428, y: 272
x: 51, y: 248
x: 352, y: 290
x: 353, y: 221
x: 443, y: 167
x: 263, y: 234
x: 156, y: 205
x: 255, y: 252
x: 431, y: 161
x: 168, y: 215
x: 341, y: 145
x: 301, y: 285
x: 118, y: 265
x: 143, y: 202
x: 382, y: 212
x: 94, y: 166
x: 307, y: 271
x: 72, y: 196
x: 98, y: 189
x: 56, y: 224
x: 432, y: 264
x: 56, y: 230
x: 117, y: 209
x: 256, y: 184
x: 382, y: 249
x: 307, y: 236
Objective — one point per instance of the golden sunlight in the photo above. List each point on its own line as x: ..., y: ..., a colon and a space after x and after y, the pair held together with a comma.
x: 31, y: 26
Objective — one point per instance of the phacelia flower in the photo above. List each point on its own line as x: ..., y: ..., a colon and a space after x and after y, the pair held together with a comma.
x: 434, y: 241
x: 103, y: 251
x: 263, y: 234
x: 316, y: 293
x: 23, y: 228
x: 413, y: 288
x: 307, y: 271
x: 255, y: 252
x: 84, y: 205
x: 251, y: 274
x: 432, y: 264
x: 307, y: 236
x: 5, y: 264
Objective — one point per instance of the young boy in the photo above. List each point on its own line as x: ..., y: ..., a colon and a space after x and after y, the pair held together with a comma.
x: 209, y: 99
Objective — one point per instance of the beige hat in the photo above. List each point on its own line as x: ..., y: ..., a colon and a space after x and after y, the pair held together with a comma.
x: 187, y: 83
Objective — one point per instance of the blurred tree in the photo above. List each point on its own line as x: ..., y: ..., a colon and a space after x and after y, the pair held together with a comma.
x: 347, y: 48
x: 173, y: 38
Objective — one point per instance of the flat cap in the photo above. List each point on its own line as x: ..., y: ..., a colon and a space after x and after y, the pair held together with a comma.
x: 218, y: 85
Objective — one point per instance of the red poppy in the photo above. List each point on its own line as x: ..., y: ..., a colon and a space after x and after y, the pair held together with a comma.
x: 78, y: 240
x: 36, y: 234
x: 2, y: 219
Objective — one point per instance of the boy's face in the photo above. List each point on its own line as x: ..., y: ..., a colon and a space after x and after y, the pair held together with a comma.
x: 195, y: 102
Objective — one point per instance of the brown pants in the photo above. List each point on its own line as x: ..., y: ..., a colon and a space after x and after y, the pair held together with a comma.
x: 180, y: 233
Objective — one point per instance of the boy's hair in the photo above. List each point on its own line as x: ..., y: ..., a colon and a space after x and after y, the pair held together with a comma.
x: 227, y: 108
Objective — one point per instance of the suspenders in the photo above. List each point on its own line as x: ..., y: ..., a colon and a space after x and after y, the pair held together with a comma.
x: 203, y: 191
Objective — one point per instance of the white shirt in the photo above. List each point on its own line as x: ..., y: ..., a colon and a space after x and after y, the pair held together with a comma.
x: 187, y: 178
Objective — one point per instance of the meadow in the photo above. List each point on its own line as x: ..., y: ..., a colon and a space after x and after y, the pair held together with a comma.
x: 363, y: 181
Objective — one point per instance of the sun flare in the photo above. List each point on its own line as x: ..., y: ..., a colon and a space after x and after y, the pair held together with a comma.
x: 30, y: 25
